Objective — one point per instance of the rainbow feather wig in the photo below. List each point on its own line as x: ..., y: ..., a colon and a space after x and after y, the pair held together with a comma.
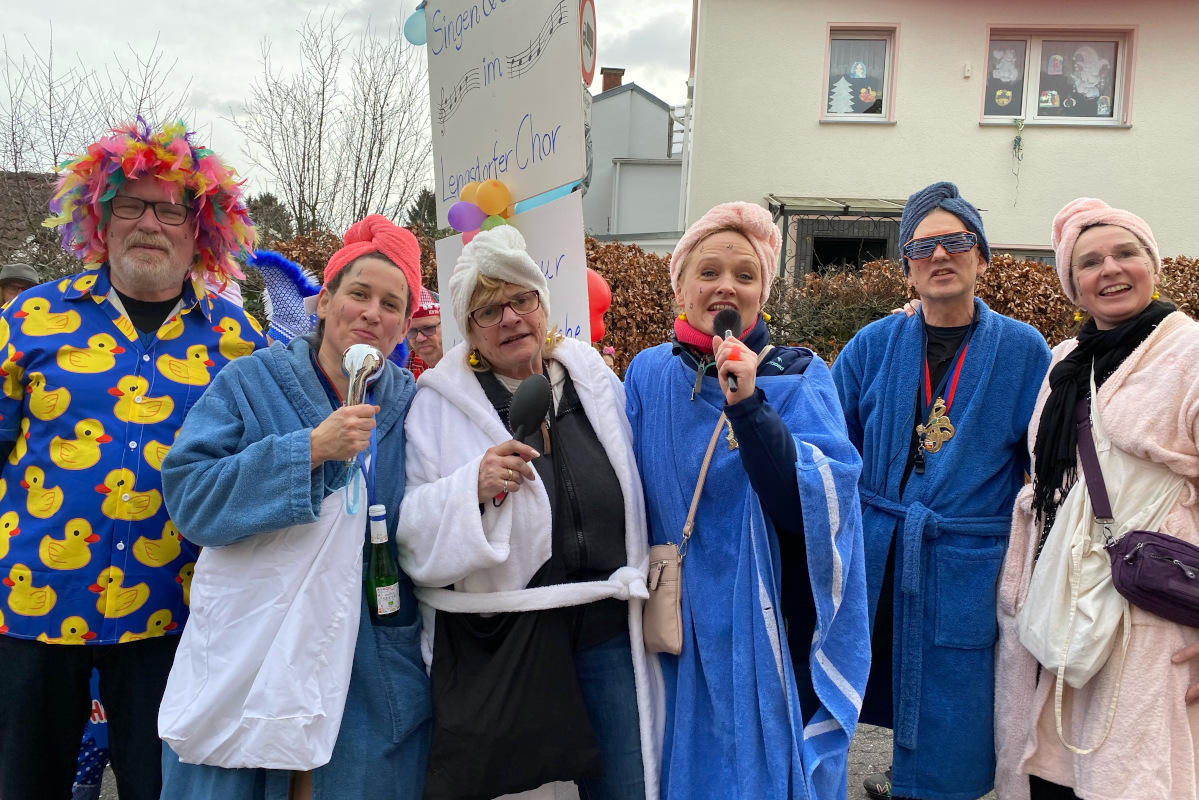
x: 86, y: 184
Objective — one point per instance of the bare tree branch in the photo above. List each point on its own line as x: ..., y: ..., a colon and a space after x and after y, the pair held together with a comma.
x: 340, y: 147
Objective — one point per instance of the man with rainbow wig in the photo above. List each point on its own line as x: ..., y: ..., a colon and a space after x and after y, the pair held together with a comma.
x: 99, y: 370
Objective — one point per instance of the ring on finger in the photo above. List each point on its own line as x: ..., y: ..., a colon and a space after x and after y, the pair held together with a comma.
x: 509, y: 473
x: 505, y: 486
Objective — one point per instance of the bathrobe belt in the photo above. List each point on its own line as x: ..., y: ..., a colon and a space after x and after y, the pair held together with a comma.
x: 920, y: 523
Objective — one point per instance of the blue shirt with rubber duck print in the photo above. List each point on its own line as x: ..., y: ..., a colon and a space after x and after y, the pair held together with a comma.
x: 88, y: 410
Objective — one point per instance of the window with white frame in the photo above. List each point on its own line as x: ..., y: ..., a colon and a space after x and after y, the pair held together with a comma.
x: 1062, y: 77
x: 859, y: 71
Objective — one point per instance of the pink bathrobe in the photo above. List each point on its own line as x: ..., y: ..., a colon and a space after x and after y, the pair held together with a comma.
x: 1150, y: 409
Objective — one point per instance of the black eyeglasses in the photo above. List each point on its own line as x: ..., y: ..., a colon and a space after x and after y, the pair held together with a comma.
x: 127, y: 207
x: 523, y: 303
x: 426, y: 331
x: 952, y: 242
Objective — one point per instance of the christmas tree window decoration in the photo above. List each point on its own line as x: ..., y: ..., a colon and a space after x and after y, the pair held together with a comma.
x: 840, y: 101
x: 857, y: 72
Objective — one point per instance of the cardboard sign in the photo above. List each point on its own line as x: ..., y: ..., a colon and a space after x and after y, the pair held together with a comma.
x: 554, y: 233
x: 505, y: 97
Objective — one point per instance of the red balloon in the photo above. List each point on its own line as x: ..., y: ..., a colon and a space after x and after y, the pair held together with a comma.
x: 599, y: 300
x: 599, y: 294
x: 468, y: 235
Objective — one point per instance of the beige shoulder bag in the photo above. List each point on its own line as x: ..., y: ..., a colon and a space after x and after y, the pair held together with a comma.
x: 662, y: 619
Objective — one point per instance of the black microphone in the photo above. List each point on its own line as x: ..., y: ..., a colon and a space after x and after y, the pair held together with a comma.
x: 728, y: 320
x: 530, y: 403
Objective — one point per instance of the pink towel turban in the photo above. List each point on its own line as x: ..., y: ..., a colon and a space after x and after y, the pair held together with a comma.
x: 378, y: 234
x: 1084, y: 213
x: 752, y: 221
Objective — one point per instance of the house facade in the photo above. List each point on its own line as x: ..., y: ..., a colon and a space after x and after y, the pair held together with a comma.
x: 832, y: 113
x: 634, y: 194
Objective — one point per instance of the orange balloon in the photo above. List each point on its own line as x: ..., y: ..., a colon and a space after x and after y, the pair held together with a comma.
x: 509, y: 211
x: 467, y: 193
x: 493, y: 197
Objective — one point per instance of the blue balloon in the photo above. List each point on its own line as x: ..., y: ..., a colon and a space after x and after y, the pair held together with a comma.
x: 414, y: 27
x: 544, y: 197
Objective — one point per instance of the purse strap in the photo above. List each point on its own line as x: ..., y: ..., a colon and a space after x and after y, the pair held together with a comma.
x: 689, y: 525
x: 1102, y: 508
x: 1096, y: 488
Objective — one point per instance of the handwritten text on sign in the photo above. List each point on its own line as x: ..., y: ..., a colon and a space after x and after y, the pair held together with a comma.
x: 505, y: 96
x: 554, y: 233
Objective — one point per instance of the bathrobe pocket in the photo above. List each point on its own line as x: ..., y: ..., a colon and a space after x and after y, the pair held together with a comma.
x: 965, y: 610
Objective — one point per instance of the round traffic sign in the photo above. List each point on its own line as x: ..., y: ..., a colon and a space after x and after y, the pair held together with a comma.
x: 587, y: 40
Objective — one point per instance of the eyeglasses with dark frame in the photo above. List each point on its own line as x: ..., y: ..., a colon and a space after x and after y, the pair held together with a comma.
x: 426, y: 331
x: 919, y: 249
x: 522, y: 304
x: 127, y: 207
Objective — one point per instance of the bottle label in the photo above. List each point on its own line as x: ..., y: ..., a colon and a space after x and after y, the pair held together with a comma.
x: 387, y: 599
x: 378, y: 531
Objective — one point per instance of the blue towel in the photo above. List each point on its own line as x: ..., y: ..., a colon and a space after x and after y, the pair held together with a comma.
x: 952, y: 525
x: 734, y: 725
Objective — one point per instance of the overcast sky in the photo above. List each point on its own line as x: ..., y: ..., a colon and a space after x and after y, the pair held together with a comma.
x: 217, y: 44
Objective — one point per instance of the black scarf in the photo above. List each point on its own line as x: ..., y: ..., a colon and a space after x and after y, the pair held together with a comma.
x: 1055, y: 460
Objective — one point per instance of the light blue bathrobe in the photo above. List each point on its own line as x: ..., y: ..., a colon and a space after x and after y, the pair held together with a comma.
x: 734, y: 727
x: 241, y: 466
x: 952, y: 525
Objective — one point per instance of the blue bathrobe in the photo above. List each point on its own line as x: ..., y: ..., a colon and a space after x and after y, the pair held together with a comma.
x: 952, y: 525
x: 241, y: 466
x: 734, y: 726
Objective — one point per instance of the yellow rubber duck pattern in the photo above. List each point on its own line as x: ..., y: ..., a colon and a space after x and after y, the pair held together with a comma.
x: 89, y: 408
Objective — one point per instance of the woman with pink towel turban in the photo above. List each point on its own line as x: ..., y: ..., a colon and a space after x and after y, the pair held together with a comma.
x: 1130, y: 731
x: 763, y: 697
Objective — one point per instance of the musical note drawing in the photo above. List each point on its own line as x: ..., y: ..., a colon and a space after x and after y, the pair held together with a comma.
x: 448, y: 105
x: 523, y: 61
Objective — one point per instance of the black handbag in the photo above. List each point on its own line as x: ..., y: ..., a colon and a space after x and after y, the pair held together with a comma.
x: 508, y: 715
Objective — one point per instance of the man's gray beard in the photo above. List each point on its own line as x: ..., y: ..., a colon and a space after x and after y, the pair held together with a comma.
x: 138, y: 276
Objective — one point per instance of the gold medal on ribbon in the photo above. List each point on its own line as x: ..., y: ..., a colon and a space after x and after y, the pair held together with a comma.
x: 938, y: 430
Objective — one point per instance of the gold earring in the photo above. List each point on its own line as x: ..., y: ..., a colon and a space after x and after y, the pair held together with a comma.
x: 473, y: 360
x: 683, y: 316
x: 765, y: 316
x: 1155, y: 294
x: 1078, y: 315
x: 548, y: 338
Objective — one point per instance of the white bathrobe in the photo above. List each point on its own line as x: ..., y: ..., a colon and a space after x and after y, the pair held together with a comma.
x: 490, y: 557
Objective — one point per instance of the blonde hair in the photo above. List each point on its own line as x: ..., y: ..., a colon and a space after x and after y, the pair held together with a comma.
x: 488, y: 290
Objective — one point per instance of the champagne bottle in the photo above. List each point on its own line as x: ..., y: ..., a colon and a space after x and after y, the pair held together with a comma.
x: 382, y: 574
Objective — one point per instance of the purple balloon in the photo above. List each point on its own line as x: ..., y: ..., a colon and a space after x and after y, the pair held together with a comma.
x: 465, y: 216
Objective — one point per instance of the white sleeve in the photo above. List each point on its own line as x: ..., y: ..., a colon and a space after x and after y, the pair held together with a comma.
x: 442, y: 536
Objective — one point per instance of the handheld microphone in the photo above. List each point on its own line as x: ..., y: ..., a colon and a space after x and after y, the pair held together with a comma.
x: 728, y: 320
x: 530, y: 403
x: 362, y: 364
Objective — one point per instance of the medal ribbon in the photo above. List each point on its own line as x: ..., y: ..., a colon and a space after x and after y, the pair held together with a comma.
x: 950, y: 379
x: 369, y: 473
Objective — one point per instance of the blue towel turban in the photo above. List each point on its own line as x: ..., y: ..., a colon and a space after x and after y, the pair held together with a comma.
x: 942, y: 194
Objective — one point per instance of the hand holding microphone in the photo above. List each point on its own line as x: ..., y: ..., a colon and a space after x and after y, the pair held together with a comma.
x: 736, y: 364
x: 505, y: 466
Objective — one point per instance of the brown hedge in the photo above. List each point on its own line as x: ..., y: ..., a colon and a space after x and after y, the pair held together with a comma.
x: 823, y: 312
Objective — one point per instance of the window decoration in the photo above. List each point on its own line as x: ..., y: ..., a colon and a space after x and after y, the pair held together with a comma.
x: 858, y: 73
x: 1059, y: 76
